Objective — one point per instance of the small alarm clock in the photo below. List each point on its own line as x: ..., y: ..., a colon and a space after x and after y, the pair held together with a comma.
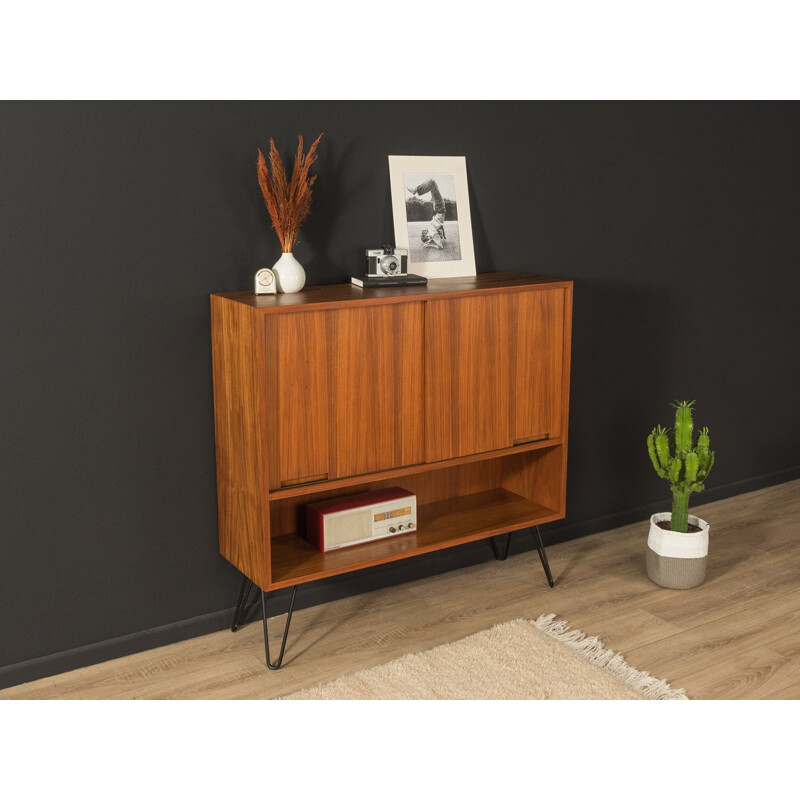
x: 265, y: 282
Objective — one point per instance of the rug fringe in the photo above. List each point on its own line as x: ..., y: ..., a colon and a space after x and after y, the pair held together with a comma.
x: 595, y: 652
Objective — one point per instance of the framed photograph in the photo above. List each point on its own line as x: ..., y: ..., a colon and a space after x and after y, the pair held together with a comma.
x: 430, y: 204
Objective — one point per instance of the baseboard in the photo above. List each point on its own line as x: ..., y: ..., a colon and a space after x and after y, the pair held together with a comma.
x: 356, y: 583
x: 561, y: 532
x: 55, y: 664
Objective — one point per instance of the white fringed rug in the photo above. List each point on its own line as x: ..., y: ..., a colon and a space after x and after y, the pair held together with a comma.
x: 517, y: 660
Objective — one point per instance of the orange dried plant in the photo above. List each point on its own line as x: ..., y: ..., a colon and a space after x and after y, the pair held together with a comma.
x: 288, y: 202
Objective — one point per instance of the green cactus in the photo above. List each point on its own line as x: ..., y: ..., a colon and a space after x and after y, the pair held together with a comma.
x: 658, y: 448
x: 684, y: 465
x: 691, y: 463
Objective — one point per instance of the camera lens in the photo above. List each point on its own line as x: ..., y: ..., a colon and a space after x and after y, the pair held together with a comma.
x: 390, y: 265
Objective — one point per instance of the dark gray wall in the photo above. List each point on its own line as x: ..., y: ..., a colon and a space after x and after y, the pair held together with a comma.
x: 677, y: 221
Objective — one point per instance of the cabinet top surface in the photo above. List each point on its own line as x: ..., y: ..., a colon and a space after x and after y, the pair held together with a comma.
x: 348, y: 293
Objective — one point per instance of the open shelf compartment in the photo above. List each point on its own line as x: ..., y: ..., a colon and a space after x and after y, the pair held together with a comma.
x: 454, y: 505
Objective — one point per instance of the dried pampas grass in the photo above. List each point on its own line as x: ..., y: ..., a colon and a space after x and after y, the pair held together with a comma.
x: 288, y: 201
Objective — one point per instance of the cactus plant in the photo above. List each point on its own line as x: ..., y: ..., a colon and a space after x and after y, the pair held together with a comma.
x: 683, y: 464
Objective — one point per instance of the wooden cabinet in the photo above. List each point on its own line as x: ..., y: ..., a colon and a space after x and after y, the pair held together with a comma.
x: 457, y: 391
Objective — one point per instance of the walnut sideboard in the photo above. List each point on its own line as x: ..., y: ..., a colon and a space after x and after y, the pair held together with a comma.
x: 457, y: 391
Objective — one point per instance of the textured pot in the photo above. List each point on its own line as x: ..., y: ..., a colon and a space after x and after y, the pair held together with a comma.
x: 289, y: 274
x: 677, y: 560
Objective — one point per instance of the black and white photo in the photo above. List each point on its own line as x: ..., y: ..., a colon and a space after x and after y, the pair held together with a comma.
x: 431, y: 214
x: 432, y: 217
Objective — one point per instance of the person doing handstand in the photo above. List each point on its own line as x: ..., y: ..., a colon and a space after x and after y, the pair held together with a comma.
x: 437, y: 221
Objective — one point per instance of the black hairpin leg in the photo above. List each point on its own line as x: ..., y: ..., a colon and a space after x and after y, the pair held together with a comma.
x: 543, y: 556
x: 241, y: 611
x: 244, y: 594
x: 278, y: 663
x: 497, y: 553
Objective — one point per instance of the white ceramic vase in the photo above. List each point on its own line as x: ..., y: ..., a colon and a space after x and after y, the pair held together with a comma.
x: 677, y: 560
x: 289, y: 273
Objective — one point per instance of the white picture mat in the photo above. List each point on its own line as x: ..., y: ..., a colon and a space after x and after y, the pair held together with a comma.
x: 456, y: 166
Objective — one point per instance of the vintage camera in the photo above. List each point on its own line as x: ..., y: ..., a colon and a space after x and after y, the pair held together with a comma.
x: 387, y: 267
x: 388, y: 261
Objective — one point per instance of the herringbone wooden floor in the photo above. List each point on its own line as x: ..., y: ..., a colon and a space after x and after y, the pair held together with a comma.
x: 736, y: 636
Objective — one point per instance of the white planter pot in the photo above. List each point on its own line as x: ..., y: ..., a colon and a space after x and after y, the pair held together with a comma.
x: 677, y: 560
x: 289, y: 274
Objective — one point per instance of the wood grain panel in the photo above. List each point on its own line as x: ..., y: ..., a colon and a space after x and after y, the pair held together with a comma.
x: 347, y: 295
x: 565, y: 384
x: 242, y: 486
x: 297, y: 394
x: 468, y: 360
x: 537, y: 478
x: 393, y: 474
x: 287, y: 513
x: 539, y: 363
x: 376, y: 383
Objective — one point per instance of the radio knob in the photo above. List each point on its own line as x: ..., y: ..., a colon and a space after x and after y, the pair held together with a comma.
x: 399, y: 527
x: 410, y: 525
x: 392, y: 530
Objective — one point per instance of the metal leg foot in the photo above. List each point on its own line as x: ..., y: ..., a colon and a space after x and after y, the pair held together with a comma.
x: 543, y: 556
x: 241, y: 606
x: 500, y: 556
x: 278, y: 663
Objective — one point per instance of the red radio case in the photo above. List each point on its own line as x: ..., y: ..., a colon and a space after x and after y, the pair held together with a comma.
x: 317, y: 512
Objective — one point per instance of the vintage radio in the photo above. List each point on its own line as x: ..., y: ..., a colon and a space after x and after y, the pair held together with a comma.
x: 359, y: 518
